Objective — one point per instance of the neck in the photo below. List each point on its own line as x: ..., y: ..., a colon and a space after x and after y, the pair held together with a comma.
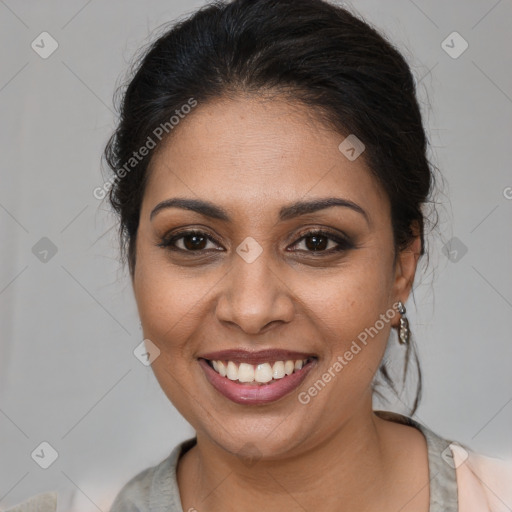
x: 348, y: 470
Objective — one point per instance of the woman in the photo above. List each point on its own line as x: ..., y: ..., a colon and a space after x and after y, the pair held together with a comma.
x: 270, y: 177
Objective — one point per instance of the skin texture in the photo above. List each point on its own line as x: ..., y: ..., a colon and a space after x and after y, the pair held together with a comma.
x: 251, y: 157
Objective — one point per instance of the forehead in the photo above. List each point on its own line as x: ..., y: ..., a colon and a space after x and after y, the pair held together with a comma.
x: 250, y: 151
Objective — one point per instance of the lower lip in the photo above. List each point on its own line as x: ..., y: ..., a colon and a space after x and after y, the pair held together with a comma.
x: 255, y: 394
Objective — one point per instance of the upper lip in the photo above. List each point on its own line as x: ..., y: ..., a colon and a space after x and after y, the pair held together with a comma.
x: 255, y: 357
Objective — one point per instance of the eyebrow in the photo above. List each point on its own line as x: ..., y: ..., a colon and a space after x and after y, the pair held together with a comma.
x: 285, y: 213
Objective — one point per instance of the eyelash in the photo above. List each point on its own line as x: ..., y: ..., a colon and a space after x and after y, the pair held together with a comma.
x: 344, y: 244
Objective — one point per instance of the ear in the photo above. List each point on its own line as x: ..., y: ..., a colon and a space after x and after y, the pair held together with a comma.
x: 405, y: 269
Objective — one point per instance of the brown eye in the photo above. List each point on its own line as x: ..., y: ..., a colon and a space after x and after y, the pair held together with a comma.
x: 316, y: 242
x: 189, y: 241
x: 194, y: 242
x: 323, y: 241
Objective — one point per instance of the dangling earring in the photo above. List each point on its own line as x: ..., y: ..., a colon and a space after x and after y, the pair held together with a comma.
x: 404, y: 333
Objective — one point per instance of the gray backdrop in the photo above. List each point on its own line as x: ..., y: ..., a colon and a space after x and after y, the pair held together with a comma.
x: 68, y: 375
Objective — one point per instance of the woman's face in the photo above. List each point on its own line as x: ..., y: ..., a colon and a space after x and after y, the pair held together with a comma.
x: 252, y: 283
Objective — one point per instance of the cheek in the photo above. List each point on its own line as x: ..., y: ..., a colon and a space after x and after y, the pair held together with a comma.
x: 170, y: 302
x: 168, y: 307
x: 354, y: 317
x: 351, y: 299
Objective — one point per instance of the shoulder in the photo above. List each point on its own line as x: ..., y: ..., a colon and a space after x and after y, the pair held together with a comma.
x: 46, y: 502
x: 150, y: 486
x: 460, y: 478
x: 134, y: 496
x: 484, y: 483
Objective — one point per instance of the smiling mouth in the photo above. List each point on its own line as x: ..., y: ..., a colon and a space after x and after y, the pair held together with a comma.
x: 258, y: 374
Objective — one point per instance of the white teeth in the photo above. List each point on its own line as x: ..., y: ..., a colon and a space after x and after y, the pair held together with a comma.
x: 246, y: 372
x: 288, y: 367
x: 232, y: 371
x: 260, y: 373
x: 263, y: 373
x: 221, y: 368
x: 278, y: 370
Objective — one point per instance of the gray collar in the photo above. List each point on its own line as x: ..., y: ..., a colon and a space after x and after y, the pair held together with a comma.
x: 441, y: 468
x: 164, y: 493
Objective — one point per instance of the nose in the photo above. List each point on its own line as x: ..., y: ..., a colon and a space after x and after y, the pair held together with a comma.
x: 254, y: 296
